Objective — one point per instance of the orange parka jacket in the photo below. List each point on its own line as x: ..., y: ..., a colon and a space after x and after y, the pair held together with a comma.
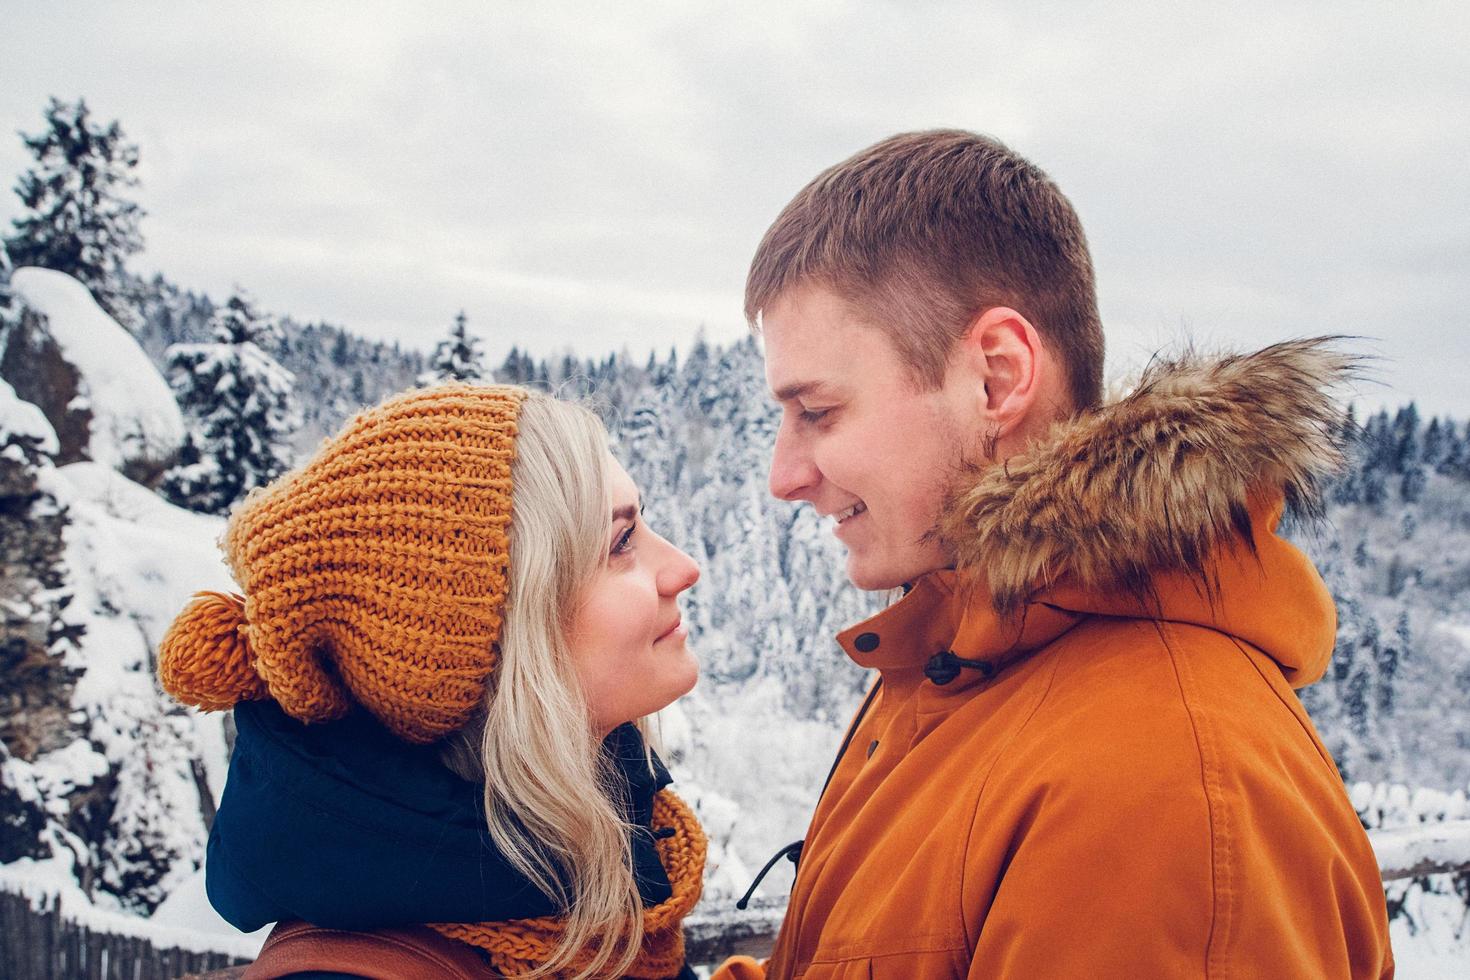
x: 1106, y: 772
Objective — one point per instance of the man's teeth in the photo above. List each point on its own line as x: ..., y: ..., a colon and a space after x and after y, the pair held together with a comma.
x: 853, y: 511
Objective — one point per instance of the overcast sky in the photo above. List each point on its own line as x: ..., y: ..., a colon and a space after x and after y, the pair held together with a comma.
x: 597, y: 176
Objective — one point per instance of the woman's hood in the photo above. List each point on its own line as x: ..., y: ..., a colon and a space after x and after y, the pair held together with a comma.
x: 345, y: 826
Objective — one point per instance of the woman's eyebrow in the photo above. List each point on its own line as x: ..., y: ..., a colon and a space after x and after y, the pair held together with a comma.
x: 627, y: 512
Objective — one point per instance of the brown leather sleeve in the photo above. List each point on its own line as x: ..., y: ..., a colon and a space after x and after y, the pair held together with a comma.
x: 413, y: 953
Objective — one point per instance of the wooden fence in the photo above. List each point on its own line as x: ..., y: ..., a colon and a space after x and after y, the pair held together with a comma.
x: 1431, y: 848
x: 37, y: 942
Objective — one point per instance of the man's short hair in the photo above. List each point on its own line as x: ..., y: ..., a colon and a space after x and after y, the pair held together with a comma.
x: 923, y: 232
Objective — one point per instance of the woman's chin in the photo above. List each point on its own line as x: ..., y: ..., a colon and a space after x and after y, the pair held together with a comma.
x: 678, y: 686
x: 684, y: 682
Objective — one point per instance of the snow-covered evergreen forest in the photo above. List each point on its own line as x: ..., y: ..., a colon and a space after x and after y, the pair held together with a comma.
x: 134, y: 412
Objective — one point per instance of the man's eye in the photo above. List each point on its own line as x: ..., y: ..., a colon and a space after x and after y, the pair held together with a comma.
x: 811, y: 415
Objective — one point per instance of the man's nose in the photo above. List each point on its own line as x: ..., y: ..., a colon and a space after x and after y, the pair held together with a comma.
x: 794, y: 476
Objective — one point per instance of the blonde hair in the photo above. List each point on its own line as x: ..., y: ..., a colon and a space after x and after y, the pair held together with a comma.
x: 550, y: 801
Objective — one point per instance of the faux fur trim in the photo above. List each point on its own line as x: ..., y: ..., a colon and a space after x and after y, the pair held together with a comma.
x: 1148, y: 483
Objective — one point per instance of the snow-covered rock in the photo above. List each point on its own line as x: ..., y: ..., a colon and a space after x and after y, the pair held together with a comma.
x: 21, y: 418
x: 104, y: 399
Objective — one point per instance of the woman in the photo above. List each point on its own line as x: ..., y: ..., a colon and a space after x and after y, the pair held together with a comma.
x: 453, y: 619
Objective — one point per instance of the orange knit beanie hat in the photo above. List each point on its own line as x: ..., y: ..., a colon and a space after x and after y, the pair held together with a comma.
x: 377, y: 573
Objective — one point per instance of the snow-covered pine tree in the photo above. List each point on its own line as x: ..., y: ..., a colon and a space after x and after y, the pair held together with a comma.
x: 78, y: 219
x: 457, y: 357
x: 1406, y: 438
x: 170, y: 315
x: 647, y: 446
x: 4, y: 279
x: 569, y: 369
x: 239, y: 405
x: 1435, y: 443
x: 1347, y: 486
x: 1411, y: 486
x: 1378, y: 446
x: 1456, y: 459
x: 1355, y: 702
x: 1375, y: 486
x: 517, y: 368
x: 144, y: 853
x: 1387, y: 661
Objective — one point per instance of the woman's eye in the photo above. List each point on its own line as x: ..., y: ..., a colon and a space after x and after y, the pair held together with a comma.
x: 624, y: 540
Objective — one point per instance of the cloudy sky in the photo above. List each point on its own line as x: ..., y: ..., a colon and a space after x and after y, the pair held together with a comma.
x: 596, y: 176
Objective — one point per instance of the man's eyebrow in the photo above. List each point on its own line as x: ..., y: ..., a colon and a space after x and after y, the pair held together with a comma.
x: 799, y: 389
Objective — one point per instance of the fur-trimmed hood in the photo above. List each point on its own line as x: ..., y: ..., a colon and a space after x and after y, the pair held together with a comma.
x: 1150, y: 483
x: 1163, y: 506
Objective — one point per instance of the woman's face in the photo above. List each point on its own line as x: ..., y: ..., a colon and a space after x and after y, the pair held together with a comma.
x: 627, y: 639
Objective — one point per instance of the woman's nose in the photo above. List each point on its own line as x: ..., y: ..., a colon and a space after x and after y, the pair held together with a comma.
x: 679, y: 573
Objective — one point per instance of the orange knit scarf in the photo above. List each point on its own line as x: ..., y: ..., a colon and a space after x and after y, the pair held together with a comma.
x: 519, y: 945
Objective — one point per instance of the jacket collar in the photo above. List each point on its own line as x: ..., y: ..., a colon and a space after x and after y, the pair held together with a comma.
x: 910, y: 631
x: 940, y: 615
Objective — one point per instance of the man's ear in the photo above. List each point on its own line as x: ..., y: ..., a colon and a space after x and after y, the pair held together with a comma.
x: 1003, y: 353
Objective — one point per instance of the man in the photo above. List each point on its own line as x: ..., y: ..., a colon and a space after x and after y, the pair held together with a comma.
x: 1083, y: 756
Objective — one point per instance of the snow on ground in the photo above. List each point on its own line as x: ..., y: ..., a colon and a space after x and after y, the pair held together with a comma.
x: 1436, y: 945
x: 134, y: 414
x: 187, y: 908
x: 184, y: 927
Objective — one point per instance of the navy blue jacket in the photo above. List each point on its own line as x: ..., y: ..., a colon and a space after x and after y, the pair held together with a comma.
x: 345, y: 826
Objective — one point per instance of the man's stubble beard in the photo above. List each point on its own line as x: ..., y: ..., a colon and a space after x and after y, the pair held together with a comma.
x: 968, y: 463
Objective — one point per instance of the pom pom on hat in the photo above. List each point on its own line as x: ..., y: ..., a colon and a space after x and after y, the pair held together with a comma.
x: 375, y: 574
x: 205, y: 659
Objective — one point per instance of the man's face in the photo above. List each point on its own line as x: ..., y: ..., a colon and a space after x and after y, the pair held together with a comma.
x: 859, y: 439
